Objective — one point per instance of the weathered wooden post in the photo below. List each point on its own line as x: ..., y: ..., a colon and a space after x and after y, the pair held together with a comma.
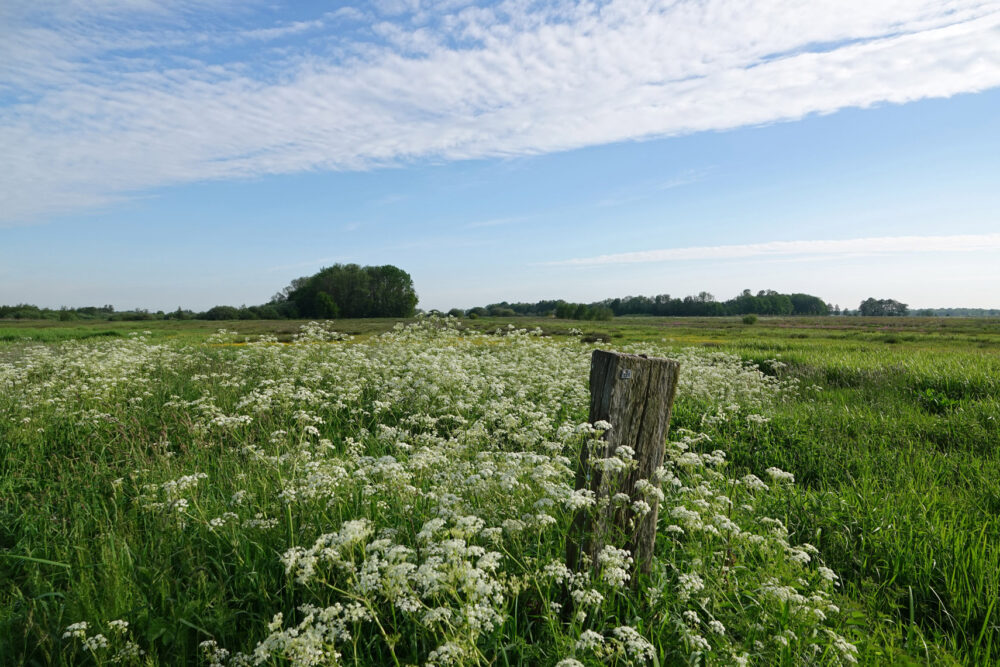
x: 635, y: 394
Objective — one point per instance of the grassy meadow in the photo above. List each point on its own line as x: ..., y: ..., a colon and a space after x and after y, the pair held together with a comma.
x: 367, y: 492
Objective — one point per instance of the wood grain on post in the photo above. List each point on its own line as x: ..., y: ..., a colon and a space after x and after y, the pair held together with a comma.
x: 635, y: 394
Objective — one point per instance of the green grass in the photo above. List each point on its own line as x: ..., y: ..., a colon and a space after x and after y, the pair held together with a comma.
x: 54, y: 334
x: 896, y: 455
x: 51, y: 331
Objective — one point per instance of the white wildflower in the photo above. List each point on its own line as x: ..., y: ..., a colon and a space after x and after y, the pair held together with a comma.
x: 779, y: 475
x: 76, y: 631
x: 589, y: 641
x: 635, y: 645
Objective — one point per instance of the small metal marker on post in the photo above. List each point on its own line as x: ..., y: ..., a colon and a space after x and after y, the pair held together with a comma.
x: 635, y: 394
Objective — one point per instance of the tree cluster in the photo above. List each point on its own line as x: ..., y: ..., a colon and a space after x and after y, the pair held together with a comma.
x: 350, y: 290
x: 871, y: 307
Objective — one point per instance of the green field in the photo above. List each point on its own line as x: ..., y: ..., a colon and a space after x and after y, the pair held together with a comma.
x: 403, y: 497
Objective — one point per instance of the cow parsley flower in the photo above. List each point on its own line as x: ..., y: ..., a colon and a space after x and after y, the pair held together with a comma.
x: 589, y: 641
x: 76, y: 631
x: 779, y: 475
x: 635, y: 645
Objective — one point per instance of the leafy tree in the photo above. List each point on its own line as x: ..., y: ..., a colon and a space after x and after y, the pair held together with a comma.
x: 390, y: 291
x: 326, y: 307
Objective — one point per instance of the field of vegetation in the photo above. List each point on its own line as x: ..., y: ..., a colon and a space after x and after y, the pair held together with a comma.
x: 367, y: 492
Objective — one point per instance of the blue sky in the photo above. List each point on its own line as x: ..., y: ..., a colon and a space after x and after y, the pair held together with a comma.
x: 192, y: 154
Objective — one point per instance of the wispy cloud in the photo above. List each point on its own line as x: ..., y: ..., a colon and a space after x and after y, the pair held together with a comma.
x: 645, y: 190
x: 98, y: 105
x: 884, y: 245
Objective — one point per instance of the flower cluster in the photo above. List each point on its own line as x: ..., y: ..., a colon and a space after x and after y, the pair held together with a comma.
x: 413, y: 494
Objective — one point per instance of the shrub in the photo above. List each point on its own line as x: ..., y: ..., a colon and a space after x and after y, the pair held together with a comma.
x: 221, y: 313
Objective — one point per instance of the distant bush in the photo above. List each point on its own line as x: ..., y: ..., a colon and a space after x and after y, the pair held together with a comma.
x: 750, y: 319
x: 138, y: 315
x: 221, y: 313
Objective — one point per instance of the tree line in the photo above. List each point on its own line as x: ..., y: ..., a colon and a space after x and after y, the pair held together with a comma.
x: 765, y: 302
x: 957, y: 312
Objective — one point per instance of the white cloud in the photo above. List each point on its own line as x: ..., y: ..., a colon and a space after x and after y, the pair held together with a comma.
x: 95, y: 108
x: 885, y: 245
